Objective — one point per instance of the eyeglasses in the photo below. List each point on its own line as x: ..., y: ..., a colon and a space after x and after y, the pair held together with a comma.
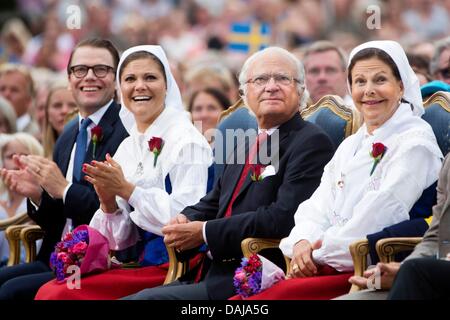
x: 100, y: 70
x: 445, y: 73
x: 281, y: 79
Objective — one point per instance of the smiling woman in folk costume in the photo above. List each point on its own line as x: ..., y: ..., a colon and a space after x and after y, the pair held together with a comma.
x: 156, y: 172
x: 373, y: 180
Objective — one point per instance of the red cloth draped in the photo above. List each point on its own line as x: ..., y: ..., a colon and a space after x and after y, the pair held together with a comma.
x: 110, y: 285
x: 327, y: 285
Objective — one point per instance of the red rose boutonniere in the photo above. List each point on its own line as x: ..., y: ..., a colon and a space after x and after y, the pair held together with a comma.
x: 257, y: 170
x: 96, y: 136
x: 378, y: 151
x: 155, y: 145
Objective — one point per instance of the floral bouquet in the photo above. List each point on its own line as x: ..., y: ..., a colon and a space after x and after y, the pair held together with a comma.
x: 255, y: 275
x: 84, y: 247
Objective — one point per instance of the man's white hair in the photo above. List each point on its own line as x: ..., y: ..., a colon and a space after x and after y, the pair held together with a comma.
x: 299, y: 72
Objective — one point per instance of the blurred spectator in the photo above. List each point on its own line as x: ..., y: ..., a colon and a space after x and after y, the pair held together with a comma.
x: 420, y: 65
x: 426, y: 19
x: 325, y: 66
x: 12, y: 203
x: 39, y: 106
x: 7, y: 117
x: 50, y: 49
x: 432, y: 87
x: 16, y: 85
x: 423, y: 48
x: 60, y: 103
x: 14, y: 40
x: 178, y: 40
x: 210, y: 75
x: 205, y: 106
x: 440, y: 63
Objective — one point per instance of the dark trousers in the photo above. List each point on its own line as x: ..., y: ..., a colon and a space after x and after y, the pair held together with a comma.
x: 422, y: 279
x: 174, y: 291
x: 22, y: 281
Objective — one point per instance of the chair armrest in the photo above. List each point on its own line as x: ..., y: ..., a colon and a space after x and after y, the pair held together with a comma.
x: 388, y: 247
x: 13, y: 236
x: 359, y: 251
x: 20, y: 218
x: 250, y: 246
x: 29, y: 235
x: 176, y: 267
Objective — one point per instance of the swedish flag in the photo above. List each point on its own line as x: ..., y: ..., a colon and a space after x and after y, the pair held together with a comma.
x: 249, y: 37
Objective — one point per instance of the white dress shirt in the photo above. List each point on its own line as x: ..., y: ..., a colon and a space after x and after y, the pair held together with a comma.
x: 185, y: 156
x: 350, y: 203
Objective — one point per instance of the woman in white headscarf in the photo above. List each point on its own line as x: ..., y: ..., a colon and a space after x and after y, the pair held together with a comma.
x: 373, y: 180
x: 156, y: 172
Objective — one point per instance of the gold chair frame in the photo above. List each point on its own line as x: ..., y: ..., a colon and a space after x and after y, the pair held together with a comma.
x: 337, y: 106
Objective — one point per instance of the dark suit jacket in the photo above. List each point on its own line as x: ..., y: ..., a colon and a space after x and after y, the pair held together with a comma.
x: 81, y: 200
x: 262, y: 209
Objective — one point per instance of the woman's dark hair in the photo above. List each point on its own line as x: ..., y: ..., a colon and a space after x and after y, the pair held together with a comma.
x: 142, y: 55
x: 96, y: 43
x: 217, y: 94
x: 369, y: 53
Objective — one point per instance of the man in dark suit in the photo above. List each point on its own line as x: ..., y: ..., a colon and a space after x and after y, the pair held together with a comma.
x: 59, y: 199
x: 238, y: 207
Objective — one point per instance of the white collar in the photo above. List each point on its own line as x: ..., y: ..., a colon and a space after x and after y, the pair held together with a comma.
x: 23, y: 121
x: 268, y: 131
x: 96, y: 116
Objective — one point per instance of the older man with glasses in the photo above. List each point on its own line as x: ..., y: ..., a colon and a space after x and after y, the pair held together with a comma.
x: 59, y: 198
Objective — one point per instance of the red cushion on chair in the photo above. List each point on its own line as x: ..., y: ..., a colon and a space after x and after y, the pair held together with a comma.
x: 327, y: 285
x: 110, y: 285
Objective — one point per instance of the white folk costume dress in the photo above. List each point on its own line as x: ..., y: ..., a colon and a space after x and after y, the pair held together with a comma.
x: 185, y: 157
x: 350, y: 203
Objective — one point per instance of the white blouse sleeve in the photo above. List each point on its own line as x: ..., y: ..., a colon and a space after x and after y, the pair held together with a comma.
x: 154, y: 207
x: 117, y: 227
x: 401, y: 186
x: 311, y: 218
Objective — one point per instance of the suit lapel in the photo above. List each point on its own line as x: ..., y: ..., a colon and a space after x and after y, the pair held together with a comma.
x: 106, y: 123
x: 284, y: 131
x: 68, y: 140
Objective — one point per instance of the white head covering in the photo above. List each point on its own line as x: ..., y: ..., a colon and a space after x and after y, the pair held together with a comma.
x: 410, y: 81
x: 173, y: 95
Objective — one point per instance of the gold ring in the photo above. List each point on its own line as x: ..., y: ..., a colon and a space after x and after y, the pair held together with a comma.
x: 295, y: 267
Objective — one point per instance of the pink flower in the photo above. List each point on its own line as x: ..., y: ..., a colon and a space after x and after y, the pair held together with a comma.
x: 80, y: 248
x: 240, y: 276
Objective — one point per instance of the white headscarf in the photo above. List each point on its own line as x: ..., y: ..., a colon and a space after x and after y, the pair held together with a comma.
x: 173, y: 95
x: 409, y: 79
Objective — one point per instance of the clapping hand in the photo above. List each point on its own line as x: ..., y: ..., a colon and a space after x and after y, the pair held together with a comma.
x: 21, y: 180
x: 109, y: 181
